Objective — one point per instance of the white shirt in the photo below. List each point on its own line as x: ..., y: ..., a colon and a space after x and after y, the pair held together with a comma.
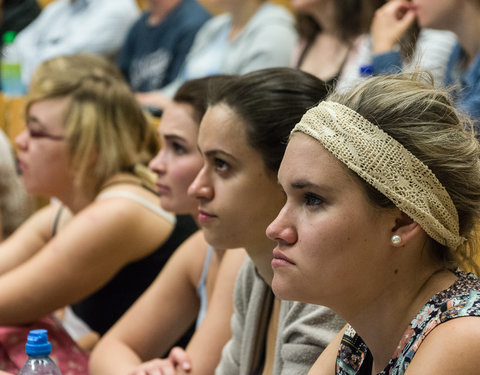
x: 65, y: 27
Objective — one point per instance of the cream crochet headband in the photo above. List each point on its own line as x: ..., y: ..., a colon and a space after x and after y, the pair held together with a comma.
x: 386, y: 165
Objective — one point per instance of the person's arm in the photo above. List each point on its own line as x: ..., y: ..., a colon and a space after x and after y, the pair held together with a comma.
x: 451, y: 348
x: 205, y: 347
x: 325, y: 364
x: 28, y: 238
x: 158, y: 318
x: 389, y: 24
x: 89, y: 250
x: 204, y: 350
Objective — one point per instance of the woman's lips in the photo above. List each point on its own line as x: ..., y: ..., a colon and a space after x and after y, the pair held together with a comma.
x: 280, y: 259
x: 162, y: 189
x: 204, y: 217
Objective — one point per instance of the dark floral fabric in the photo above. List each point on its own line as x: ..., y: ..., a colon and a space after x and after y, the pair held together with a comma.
x: 461, y: 299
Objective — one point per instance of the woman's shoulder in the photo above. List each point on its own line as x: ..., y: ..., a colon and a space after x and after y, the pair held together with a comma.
x: 135, y: 201
x: 451, y: 348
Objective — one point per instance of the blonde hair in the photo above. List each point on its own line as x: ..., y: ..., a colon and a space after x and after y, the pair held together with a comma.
x: 423, y: 119
x: 15, y: 205
x: 106, y: 129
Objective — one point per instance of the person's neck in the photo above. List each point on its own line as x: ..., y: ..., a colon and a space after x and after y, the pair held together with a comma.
x: 261, y: 254
x: 76, y: 199
x: 386, y: 316
x: 160, y: 9
x: 241, y: 15
x: 466, y: 27
x: 325, y: 17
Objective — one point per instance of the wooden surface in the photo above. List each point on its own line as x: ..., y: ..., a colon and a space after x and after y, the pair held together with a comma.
x: 12, y: 116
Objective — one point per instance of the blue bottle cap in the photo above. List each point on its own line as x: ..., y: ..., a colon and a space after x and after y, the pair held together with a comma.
x: 37, y: 343
x: 366, y: 70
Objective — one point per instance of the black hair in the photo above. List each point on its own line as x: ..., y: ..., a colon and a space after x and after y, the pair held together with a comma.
x: 195, y: 92
x: 271, y: 101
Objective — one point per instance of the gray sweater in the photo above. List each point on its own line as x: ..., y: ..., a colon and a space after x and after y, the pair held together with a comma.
x: 304, y: 330
x: 267, y: 40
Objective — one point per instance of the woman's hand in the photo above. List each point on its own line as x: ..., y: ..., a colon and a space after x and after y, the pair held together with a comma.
x: 390, y: 23
x: 177, y: 358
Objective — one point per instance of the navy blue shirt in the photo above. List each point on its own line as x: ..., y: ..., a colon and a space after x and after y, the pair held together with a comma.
x: 152, y: 56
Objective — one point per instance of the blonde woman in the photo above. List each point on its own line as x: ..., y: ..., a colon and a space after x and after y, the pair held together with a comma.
x: 383, y: 193
x: 86, y: 144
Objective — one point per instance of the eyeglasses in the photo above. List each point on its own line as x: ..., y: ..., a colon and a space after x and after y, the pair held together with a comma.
x: 38, y: 134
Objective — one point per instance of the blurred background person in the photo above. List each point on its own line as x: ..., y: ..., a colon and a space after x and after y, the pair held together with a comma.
x: 157, y: 44
x: 463, y: 66
x: 71, y: 26
x: 249, y: 35
x: 329, y: 34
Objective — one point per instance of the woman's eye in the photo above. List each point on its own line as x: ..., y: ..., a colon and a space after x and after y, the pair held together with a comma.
x: 179, y: 149
x: 313, y: 199
x: 221, y: 165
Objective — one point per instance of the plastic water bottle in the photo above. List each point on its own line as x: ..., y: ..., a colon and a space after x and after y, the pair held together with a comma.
x: 38, y: 349
x: 10, y: 69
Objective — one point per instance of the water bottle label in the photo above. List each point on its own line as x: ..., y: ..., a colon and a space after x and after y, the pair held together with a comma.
x: 11, y: 79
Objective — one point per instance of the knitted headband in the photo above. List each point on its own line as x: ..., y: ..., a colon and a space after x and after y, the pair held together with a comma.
x: 386, y: 165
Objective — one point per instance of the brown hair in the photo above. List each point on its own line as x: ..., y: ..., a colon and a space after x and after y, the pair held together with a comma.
x: 353, y: 18
x: 270, y: 102
x: 195, y: 92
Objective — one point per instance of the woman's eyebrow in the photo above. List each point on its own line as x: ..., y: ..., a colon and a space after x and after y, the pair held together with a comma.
x: 213, y: 153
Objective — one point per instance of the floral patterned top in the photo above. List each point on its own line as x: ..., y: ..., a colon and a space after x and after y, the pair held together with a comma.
x: 461, y: 299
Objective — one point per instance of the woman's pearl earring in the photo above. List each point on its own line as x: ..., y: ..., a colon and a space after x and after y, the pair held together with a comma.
x: 396, y: 239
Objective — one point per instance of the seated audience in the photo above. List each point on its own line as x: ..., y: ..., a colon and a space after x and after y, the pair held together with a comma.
x: 382, y: 191
x: 250, y: 35
x: 463, y: 66
x: 187, y: 286
x: 330, y: 33
x: 15, y: 205
x: 71, y: 26
x: 85, y: 144
x: 156, y: 45
x: 396, y: 43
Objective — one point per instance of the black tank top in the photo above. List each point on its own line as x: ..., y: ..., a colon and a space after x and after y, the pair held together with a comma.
x: 104, y: 307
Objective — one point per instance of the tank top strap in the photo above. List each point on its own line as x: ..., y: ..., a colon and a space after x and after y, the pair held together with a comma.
x: 145, y: 203
x: 202, y: 287
x: 57, y: 220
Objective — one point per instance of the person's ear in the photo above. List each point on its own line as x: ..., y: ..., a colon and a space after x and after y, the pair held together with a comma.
x: 405, y: 229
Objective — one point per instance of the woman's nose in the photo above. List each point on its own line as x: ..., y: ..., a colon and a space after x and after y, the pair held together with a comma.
x: 281, y: 231
x: 201, y: 188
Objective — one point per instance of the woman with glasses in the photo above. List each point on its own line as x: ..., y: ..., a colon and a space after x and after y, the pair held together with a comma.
x: 98, y: 247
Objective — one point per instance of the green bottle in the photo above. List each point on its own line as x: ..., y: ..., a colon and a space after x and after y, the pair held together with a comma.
x: 10, y: 68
